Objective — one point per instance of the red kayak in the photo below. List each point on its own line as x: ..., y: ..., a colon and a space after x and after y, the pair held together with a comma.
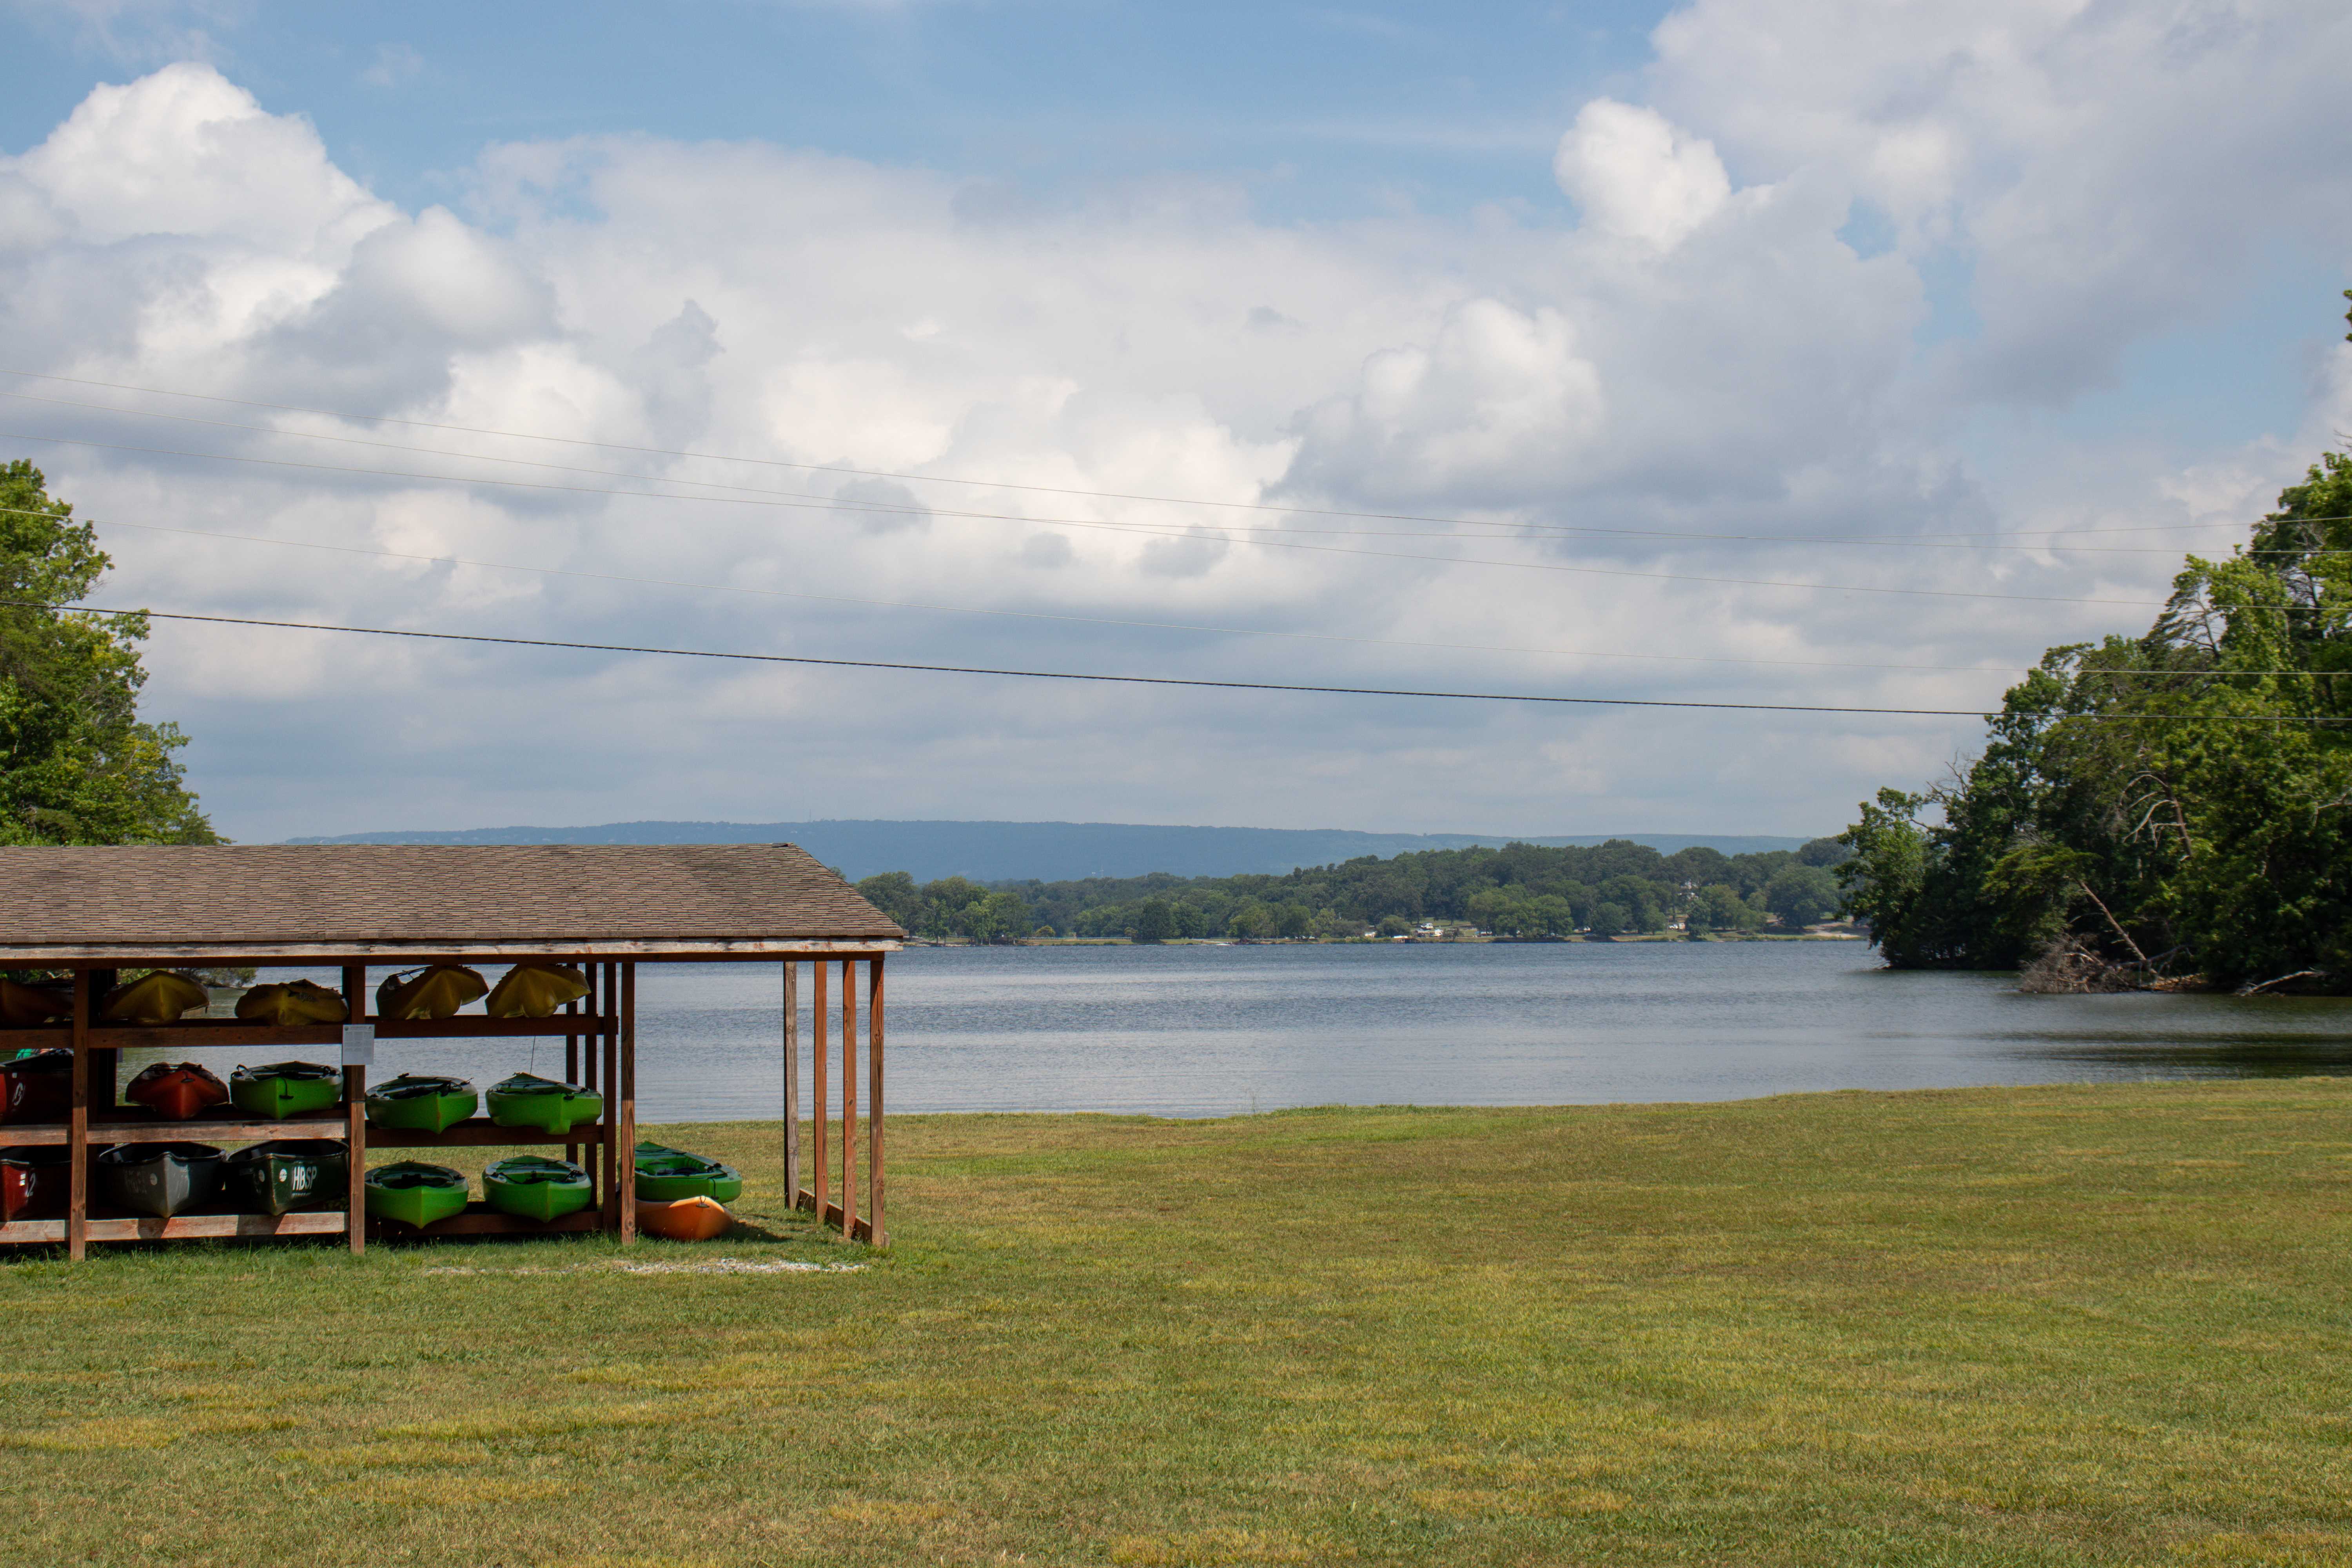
x: 33, y: 1181
x: 39, y: 1087
x: 177, y: 1090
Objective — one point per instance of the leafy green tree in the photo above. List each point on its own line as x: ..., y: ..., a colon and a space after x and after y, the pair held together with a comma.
x: 1154, y: 921
x: 1800, y: 895
x: 1610, y: 919
x: 1395, y: 925
x: 893, y: 893
x: 1293, y: 919
x: 1252, y: 919
x: 2179, y: 802
x: 78, y: 765
x: 1720, y: 908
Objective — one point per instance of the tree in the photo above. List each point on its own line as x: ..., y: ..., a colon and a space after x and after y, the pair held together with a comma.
x: 893, y: 893
x: 2175, y: 803
x: 78, y: 765
x: 1800, y: 895
x: 1252, y: 919
x: 1293, y: 919
x: 1154, y: 921
x: 1720, y: 908
x: 1395, y: 925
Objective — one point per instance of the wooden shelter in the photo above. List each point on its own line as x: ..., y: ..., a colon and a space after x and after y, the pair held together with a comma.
x: 604, y: 908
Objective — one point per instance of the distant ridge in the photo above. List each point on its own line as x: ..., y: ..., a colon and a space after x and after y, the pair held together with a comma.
x: 1048, y: 851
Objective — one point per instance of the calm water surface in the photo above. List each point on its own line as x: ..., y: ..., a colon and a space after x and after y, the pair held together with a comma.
x: 1204, y: 1031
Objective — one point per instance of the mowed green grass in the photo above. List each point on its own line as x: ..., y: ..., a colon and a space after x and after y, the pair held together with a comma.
x: 2041, y: 1326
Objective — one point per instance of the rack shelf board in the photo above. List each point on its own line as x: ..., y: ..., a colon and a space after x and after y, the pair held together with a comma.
x: 193, y: 1032
x: 477, y: 1133
x: 481, y: 1219
x: 179, y: 1228
x: 128, y: 1126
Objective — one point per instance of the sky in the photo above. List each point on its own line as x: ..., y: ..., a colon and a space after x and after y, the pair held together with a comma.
x: 1833, y: 354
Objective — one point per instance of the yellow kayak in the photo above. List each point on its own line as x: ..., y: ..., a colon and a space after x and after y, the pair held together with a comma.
x: 295, y: 1002
x: 159, y: 996
x: 434, y: 992
x: 535, y: 991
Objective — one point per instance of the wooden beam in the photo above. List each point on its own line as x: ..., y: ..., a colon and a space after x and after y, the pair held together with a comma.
x: 792, y: 1082
x: 127, y: 1126
x: 877, y: 1234
x: 859, y: 1229
x: 625, y: 1125
x: 848, y: 1094
x: 476, y: 1132
x: 179, y: 1228
x: 78, y: 1125
x: 355, y: 1114
x: 609, y: 1188
x: 819, y: 1107
x: 480, y: 1219
x: 403, y: 954
x: 571, y: 1064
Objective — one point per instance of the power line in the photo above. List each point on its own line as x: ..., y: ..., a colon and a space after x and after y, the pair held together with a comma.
x: 1107, y: 527
x: 1500, y: 530
x: 1113, y: 680
x: 635, y: 579
x: 639, y: 579
x: 891, y: 474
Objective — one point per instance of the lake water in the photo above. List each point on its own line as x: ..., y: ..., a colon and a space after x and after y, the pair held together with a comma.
x: 1206, y: 1031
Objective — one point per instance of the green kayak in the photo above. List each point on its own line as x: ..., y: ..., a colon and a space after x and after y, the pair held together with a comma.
x: 285, y: 1089
x: 415, y: 1193
x: 537, y: 1188
x: 286, y: 1174
x: 421, y: 1102
x: 665, y: 1176
x: 523, y: 1101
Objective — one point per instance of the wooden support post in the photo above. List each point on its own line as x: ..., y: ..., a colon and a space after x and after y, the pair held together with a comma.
x: 611, y: 1030
x: 626, y: 1129
x: 78, y: 1125
x: 848, y: 1098
x: 355, y: 1117
x: 571, y: 1048
x: 874, y: 1231
x: 818, y: 1104
x: 791, y: 1085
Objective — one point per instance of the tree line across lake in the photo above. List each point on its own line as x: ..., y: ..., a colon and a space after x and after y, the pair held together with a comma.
x: 1520, y: 890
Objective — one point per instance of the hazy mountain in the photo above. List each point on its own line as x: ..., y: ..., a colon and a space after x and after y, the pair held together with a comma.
x: 1050, y: 851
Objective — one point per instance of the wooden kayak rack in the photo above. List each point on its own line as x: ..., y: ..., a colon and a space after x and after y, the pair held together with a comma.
x: 96, y: 912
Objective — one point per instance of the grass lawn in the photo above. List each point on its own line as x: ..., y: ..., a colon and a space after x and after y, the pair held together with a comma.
x: 2038, y: 1326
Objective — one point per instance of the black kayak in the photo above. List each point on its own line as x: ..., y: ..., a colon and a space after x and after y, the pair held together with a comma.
x: 161, y: 1179
x: 286, y: 1174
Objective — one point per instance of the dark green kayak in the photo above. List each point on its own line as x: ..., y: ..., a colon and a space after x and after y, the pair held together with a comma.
x: 537, y: 1188
x: 524, y: 1100
x: 415, y: 1193
x: 161, y: 1179
x: 286, y: 1174
x: 421, y: 1102
x: 665, y: 1176
x: 285, y: 1089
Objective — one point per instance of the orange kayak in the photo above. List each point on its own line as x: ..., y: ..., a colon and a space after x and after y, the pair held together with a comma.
x: 684, y: 1219
x: 177, y: 1090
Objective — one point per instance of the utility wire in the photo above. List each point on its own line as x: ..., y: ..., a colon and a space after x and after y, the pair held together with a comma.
x: 635, y: 579
x: 910, y: 478
x: 1113, y: 680
x: 1107, y: 527
x: 1497, y: 530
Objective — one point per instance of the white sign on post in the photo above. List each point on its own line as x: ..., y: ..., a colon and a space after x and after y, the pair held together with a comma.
x: 359, y: 1044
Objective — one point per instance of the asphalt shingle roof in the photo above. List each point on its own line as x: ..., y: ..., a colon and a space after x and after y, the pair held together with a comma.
x: 338, y: 899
